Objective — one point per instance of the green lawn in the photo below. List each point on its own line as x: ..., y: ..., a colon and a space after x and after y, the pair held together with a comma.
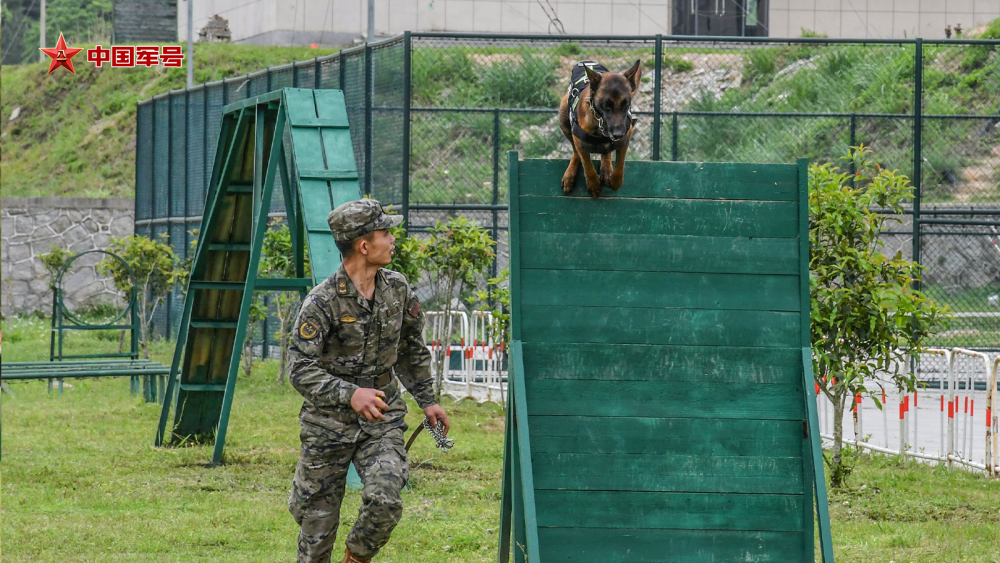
x: 82, y: 482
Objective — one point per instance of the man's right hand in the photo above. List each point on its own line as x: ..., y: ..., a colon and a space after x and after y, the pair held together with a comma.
x: 368, y: 403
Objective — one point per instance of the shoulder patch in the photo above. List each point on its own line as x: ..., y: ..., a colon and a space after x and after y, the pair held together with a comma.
x: 414, y: 309
x: 308, y: 330
x: 342, y: 287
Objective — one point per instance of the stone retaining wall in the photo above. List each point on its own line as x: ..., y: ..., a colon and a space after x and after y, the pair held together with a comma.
x: 33, y: 225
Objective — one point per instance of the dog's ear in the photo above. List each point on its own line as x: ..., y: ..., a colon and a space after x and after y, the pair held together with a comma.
x: 633, y: 75
x: 595, y: 79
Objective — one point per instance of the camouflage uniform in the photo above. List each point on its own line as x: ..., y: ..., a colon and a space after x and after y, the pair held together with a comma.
x: 338, y: 344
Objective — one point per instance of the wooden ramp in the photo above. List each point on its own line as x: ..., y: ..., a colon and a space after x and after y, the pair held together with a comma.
x: 661, y: 372
x: 302, y: 137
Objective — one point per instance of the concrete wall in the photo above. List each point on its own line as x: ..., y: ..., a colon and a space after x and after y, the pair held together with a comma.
x: 32, y: 225
x: 341, y: 22
x: 879, y: 19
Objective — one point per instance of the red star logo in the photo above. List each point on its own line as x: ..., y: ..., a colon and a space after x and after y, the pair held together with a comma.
x: 61, y: 56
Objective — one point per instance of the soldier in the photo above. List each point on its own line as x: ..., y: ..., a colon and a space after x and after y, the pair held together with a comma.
x: 356, y: 333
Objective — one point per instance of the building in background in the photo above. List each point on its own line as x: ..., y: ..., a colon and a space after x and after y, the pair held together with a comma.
x: 145, y: 21
x: 341, y: 22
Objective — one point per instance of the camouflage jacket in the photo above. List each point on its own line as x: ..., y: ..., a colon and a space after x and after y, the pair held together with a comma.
x: 337, y: 334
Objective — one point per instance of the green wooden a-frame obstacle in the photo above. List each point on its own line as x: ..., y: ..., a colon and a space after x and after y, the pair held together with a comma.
x: 303, y: 138
x: 660, y: 405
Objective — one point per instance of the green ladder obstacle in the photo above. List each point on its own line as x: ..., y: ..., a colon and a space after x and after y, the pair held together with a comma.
x: 302, y: 137
x: 660, y: 405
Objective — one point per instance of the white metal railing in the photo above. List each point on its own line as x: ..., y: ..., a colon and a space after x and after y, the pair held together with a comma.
x: 960, y: 421
x: 482, y: 376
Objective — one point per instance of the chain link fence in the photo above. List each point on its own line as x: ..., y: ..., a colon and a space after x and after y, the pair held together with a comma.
x: 433, y: 115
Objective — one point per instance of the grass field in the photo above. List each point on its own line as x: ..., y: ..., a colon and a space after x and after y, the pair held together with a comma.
x: 82, y: 482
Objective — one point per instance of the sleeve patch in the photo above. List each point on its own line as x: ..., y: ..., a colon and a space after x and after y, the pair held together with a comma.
x: 308, y: 330
x: 414, y: 309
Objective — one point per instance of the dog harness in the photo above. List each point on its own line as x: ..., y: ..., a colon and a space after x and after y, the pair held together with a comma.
x: 578, y: 82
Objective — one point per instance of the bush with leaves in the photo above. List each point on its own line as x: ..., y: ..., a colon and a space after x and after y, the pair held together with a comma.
x: 865, y: 314
x: 496, y: 299
x: 157, y: 271
x: 458, y: 253
x: 410, y: 258
x: 54, y: 261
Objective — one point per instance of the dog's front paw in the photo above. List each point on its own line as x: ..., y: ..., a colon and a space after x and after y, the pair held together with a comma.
x: 594, y: 187
x: 567, y: 183
x: 607, y: 177
x: 616, y: 181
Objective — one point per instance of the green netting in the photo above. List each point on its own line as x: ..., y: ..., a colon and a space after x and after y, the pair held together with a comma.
x: 744, y: 101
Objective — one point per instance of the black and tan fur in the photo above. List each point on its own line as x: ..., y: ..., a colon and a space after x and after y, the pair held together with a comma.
x: 611, y: 94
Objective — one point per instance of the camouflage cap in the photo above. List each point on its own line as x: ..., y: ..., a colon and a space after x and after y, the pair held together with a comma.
x: 358, y: 218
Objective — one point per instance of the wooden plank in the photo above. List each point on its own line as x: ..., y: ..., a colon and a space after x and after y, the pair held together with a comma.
x: 665, y: 473
x: 328, y: 174
x: 659, y: 399
x: 616, y: 545
x: 694, y: 180
x: 660, y: 253
x: 339, y: 149
x: 637, y: 362
x: 589, y: 288
x: 513, y: 167
x: 662, y: 436
x: 523, y: 443
x: 307, y: 149
x: 675, y: 511
x: 692, y: 217
x: 702, y: 327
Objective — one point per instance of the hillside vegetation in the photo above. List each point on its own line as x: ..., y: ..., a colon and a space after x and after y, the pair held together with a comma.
x: 74, y: 135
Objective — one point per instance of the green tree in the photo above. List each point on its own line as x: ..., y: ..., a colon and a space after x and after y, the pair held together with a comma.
x: 865, y: 314
x: 157, y: 271
x: 410, y: 258
x: 54, y: 261
x: 458, y: 253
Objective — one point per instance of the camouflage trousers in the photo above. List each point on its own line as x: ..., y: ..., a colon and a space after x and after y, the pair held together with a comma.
x: 319, y: 484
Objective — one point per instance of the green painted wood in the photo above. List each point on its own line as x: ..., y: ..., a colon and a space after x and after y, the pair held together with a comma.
x: 524, y: 453
x: 690, y: 217
x: 675, y: 511
x: 656, y: 290
x: 616, y: 545
x: 664, y: 383
x: 639, y: 362
x: 703, y: 327
x: 662, y: 436
x: 567, y: 397
x: 507, y: 486
x: 688, y: 180
x: 662, y: 253
x: 329, y: 174
x: 668, y: 473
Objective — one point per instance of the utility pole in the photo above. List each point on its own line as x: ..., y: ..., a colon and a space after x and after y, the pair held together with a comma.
x: 190, y: 57
x: 371, y: 21
x: 41, y: 37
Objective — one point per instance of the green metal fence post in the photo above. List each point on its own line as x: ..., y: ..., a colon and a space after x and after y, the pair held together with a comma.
x: 405, y: 195
x: 342, y: 76
x: 496, y: 188
x: 317, y: 74
x: 673, y: 140
x: 369, y: 94
x: 918, y: 79
x: 170, y: 197
x: 658, y: 56
x: 853, y: 142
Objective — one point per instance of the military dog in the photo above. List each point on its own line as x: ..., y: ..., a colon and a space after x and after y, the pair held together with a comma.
x: 595, y: 115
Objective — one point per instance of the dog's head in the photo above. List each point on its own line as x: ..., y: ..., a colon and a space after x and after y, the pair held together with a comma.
x: 611, y: 97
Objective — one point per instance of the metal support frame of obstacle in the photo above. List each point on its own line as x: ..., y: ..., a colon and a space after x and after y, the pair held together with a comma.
x: 300, y: 139
x: 660, y: 404
x: 108, y: 364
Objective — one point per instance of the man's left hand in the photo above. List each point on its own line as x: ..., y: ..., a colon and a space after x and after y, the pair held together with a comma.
x: 435, y: 413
